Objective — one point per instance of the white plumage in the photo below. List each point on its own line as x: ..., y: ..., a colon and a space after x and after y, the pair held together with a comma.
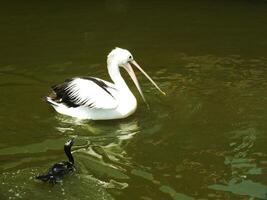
x: 96, y: 99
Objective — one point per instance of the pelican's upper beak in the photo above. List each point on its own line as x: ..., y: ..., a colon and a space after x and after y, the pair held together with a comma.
x: 130, y: 70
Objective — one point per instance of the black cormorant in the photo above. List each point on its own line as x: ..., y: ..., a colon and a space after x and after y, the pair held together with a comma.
x: 58, y: 170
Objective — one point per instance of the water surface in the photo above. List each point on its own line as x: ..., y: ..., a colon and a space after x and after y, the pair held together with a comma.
x: 205, y: 140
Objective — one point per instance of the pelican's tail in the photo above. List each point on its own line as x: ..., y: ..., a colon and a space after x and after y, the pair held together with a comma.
x: 50, y: 101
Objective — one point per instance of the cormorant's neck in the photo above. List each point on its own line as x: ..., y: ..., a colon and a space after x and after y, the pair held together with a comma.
x: 67, y: 150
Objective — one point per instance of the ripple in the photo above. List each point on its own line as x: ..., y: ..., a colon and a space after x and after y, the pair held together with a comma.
x: 21, y: 186
x: 246, y: 187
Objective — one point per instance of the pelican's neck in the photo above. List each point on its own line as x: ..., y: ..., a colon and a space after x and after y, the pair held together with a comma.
x: 115, y: 75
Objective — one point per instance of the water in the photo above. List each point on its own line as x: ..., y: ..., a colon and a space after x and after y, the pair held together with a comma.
x: 205, y: 140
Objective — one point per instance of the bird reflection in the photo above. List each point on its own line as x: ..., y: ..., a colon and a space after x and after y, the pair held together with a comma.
x: 104, y: 140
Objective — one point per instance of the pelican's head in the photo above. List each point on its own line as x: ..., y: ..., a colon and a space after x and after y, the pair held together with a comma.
x: 123, y: 58
x: 120, y: 56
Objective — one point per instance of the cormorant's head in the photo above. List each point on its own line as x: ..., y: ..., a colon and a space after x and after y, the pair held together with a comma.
x: 70, y: 142
x: 67, y: 149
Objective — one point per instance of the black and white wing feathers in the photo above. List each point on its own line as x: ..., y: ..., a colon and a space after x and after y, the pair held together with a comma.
x: 85, y: 91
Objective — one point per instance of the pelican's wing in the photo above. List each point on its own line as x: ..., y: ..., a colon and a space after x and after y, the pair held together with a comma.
x: 86, y: 91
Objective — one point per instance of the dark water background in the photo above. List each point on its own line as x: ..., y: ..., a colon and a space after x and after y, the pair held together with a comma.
x: 205, y: 140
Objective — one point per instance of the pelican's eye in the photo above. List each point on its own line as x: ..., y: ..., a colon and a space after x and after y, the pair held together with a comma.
x: 130, y: 57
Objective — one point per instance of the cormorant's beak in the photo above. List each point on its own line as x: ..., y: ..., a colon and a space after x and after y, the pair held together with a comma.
x: 129, y: 69
x: 70, y: 142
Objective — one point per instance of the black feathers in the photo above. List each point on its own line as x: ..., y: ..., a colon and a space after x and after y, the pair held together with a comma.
x: 62, y: 94
x: 65, y: 92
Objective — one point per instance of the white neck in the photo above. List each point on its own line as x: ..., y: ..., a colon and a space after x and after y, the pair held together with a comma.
x: 115, y: 75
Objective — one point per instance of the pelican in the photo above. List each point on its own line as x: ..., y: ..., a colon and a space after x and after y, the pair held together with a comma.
x: 96, y: 99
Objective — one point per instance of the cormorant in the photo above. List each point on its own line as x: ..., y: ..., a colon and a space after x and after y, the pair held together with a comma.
x: 58, y: 170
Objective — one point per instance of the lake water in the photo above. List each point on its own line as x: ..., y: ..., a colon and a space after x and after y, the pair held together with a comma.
x: 205, y: 140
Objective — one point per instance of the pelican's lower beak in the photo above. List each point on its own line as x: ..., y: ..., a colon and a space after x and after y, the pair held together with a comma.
x: 129, y: 69
x: 148, y: 77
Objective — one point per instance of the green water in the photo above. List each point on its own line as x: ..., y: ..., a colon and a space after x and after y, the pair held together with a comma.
x: 205, y: 140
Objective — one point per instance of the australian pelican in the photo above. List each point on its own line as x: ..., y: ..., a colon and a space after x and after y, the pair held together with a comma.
x: 96, y: 99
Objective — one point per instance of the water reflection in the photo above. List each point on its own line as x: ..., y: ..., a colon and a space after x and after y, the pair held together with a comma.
x: 243, y: 166
x: 101, y: 159
x: 209, y: 129
x: 215, y: 128
x: 103, y: 155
